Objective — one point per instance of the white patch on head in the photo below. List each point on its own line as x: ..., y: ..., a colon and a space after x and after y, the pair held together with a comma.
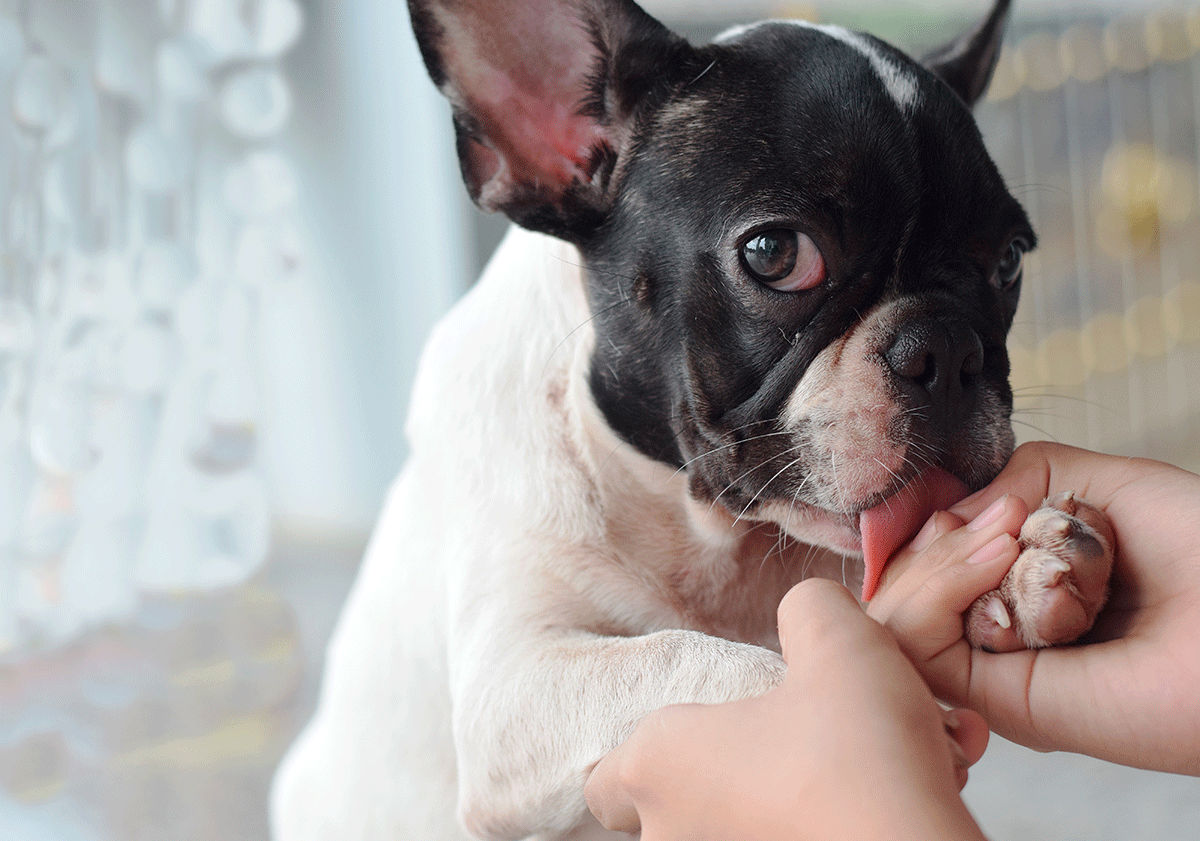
x: 735, y: 32
x: 898, y: 80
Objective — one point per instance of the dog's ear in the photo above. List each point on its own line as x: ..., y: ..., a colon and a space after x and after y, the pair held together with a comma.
x: 544, y: 94
x: 966, y: 63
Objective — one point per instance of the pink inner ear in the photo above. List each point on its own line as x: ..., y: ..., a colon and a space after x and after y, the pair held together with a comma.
x: 520, y: 69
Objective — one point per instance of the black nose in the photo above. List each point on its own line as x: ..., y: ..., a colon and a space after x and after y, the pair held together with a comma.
x: 938, y: 361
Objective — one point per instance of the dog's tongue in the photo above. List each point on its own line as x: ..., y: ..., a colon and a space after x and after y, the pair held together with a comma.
x: 892, y: 523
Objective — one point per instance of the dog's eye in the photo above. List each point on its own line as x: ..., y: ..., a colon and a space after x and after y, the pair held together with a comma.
x: 785, y: 260
x: 1008, y: 272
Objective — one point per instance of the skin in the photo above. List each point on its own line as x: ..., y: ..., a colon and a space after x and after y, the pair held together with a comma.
x: 851, y: 745
x: 1127, y: 696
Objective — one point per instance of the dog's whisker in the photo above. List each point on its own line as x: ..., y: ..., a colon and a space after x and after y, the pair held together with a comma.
x: 711, y: 65
x: 1039, y: 430
x: 751, y: 470
x: 554, y: 351
x: 766, y: 484
x: 1065, y: 398
x: 1041, y: 413
x: 723, y: 447
x: 837, y: 485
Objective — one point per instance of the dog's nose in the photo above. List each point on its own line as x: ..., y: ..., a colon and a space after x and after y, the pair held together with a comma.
x: 937, y: 358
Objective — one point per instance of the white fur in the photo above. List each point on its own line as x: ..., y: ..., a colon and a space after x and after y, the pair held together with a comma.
x: 844, y: 411
x: 534, y: 588
x: 899, y: 82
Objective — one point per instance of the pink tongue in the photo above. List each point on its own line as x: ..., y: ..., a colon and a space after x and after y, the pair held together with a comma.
x: 892, y: 523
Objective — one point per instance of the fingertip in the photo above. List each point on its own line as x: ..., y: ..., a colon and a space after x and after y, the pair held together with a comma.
x: 970, y: 732
x: 939, y: 523
x: 816, y: 607
x: 969, y: 508
x: 1019, y: 511
x: 607, y: 796
x: 813, y: 594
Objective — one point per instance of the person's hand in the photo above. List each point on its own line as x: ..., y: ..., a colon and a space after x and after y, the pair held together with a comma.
x: 851, y: 745
x: 1128, y: 695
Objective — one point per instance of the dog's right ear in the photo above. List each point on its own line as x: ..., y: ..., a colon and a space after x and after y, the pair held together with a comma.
x: 545, y: 94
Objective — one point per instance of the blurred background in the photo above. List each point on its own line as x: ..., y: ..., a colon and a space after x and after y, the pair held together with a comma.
x: 226, y: 227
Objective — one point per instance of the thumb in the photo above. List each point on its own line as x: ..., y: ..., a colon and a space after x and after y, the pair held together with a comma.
x: 818, y: 610
x: 608, y: 797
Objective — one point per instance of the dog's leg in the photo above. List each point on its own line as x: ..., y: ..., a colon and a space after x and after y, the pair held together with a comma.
x: 527, y: 741
x: 1057, y: 586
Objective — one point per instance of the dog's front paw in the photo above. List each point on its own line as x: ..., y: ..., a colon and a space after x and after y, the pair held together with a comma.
x: 1056, y: 587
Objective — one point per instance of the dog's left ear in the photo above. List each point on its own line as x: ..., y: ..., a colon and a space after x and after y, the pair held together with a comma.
x: 545, y: 96
x: 966, y: 64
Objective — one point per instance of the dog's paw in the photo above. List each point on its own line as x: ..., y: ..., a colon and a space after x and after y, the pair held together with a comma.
x: 1056, y: 587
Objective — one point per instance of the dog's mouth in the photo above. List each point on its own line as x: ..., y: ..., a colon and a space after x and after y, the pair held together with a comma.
x: 876, y: 529
x: 894, y: 521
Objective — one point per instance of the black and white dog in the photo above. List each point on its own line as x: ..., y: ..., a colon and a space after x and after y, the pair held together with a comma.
x: 758, y: 312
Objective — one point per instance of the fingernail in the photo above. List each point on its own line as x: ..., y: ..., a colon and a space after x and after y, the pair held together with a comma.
x: 925, y: 536
x: 990, y: 515
x: 999, y: 545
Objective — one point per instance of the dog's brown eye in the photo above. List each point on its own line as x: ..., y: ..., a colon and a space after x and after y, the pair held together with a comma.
x: 785, y: 260
x: 1008, y: 272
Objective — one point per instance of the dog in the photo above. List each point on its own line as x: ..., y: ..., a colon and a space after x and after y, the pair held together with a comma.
x: 750, y: 328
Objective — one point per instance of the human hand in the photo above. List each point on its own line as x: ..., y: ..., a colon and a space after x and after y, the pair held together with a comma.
x: 851, y: 745
x: 1129, y: 695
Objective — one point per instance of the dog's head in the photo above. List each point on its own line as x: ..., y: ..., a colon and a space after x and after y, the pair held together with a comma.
x: 801, y: 260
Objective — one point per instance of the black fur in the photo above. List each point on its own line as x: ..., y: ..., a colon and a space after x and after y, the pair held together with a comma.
x: 782, y: 126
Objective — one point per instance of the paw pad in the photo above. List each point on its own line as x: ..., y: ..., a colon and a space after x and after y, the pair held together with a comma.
x: 1057, y: 585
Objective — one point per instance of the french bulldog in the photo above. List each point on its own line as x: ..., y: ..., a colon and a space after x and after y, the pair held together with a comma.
x: 751, y: 328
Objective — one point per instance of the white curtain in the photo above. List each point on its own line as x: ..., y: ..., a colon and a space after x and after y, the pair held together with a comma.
x: 225, y: 228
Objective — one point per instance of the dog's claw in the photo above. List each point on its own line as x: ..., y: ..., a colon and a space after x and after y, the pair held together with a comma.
x: 1056, y: 568
x: 1057, y: 585
x: 999, y: 613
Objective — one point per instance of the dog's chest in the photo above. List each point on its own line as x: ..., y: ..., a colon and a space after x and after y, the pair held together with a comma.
x: 726, y: 583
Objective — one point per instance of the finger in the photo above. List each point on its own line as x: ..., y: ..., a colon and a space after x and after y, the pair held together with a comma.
x: 968, y: 734
x: 939, y: 523
x: 819, y: 610
x: 1044, y: 699
x: 946, y: 572
x: 928, y: 620
x: 1027, y: 475
x: 607, y: 796
x: 913, y: 555
x: 1040, y: 469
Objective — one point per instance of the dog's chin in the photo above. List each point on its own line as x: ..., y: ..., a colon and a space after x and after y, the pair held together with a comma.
x: 808, y: 524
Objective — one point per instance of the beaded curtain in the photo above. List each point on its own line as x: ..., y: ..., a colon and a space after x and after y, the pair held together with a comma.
x: 145, y: 207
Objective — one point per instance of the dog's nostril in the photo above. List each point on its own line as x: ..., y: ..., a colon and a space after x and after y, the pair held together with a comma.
x: 936, y: 357
x: 909, y: 356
